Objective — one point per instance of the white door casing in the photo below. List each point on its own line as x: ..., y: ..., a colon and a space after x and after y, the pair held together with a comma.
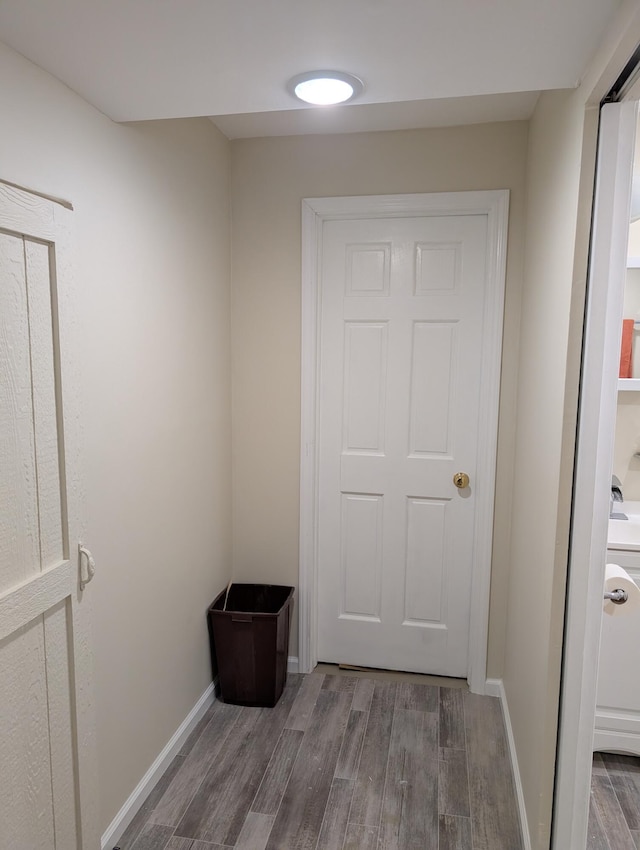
x: 389, y: 473
x: 48, y: 797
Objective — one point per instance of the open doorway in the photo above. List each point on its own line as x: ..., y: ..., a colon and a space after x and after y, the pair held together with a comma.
x: 614, y: 811
x: 577, y: 826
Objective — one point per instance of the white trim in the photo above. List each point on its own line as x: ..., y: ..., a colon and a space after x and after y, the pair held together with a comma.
x: 142, y: 790
x: 315, y: 211
x: 498, y: 217
x: 495, y: 688
x: 628, y: 384
x: 293, y: 665
x: 55, y: 200
x: 627, y: 743
x: 617, y: 730
x: 307, y: 581
x: 594, y: 462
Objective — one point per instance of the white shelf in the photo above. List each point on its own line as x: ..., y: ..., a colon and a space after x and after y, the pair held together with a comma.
x: 629, y: 384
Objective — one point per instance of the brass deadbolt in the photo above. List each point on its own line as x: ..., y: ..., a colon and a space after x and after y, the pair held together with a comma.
x: 461, y: 480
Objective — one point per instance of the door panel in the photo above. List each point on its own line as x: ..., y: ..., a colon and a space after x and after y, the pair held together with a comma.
x: 361, y: 555
x: 19, y: 544
x: 425, y: 560
x: 43, y: 628
x: 432, y: 363
x: 26, y: 811
x: 48, y: 461
x: 365, y: 381
x: 402, y: 312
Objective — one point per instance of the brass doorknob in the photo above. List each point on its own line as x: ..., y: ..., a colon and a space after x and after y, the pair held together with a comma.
x: 461, y: 480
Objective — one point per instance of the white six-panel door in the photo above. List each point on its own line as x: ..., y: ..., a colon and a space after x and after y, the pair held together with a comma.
x: 48, y: 790
x: 400, y: 382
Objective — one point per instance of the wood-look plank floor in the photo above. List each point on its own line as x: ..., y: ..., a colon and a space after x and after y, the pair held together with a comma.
x: 340, y: 763
x: 614, y: 811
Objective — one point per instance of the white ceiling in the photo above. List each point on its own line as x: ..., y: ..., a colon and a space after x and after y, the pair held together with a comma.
x: 423, y: 62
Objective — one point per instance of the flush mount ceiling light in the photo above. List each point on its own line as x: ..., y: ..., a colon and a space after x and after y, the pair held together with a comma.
x: 325, y: 88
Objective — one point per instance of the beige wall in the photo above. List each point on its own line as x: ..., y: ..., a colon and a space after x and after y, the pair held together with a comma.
x: 151, y: 219
x: 634, y: 227
x: 625, y: 463
x: 541, y: 493
x: 269, y: 179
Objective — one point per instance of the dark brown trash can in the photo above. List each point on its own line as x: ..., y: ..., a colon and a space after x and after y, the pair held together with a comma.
x: 250, y: 642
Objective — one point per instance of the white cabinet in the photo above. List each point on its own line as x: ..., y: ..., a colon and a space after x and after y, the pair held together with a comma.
x: 617, y: 726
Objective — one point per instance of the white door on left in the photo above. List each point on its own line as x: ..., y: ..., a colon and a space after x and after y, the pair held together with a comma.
x: 47, y: 747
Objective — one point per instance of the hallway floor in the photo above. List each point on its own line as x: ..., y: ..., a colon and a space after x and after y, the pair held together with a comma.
x: 341, y: 763
x: 614, y: 813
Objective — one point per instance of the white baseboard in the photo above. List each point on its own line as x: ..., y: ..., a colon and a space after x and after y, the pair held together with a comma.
x: 616, y: 742
x: 617, y: 731
x: 293, y: 665
x: 495, y: 688
x: 126, y: 814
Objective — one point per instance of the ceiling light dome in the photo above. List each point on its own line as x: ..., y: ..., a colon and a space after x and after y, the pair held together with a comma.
x: 325, y: 88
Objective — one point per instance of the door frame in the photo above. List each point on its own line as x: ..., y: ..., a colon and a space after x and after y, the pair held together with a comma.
x: 315, y: 211
x: 592, y: 476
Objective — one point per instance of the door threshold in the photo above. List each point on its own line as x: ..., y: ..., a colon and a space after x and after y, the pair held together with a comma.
x: 390, y: 675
